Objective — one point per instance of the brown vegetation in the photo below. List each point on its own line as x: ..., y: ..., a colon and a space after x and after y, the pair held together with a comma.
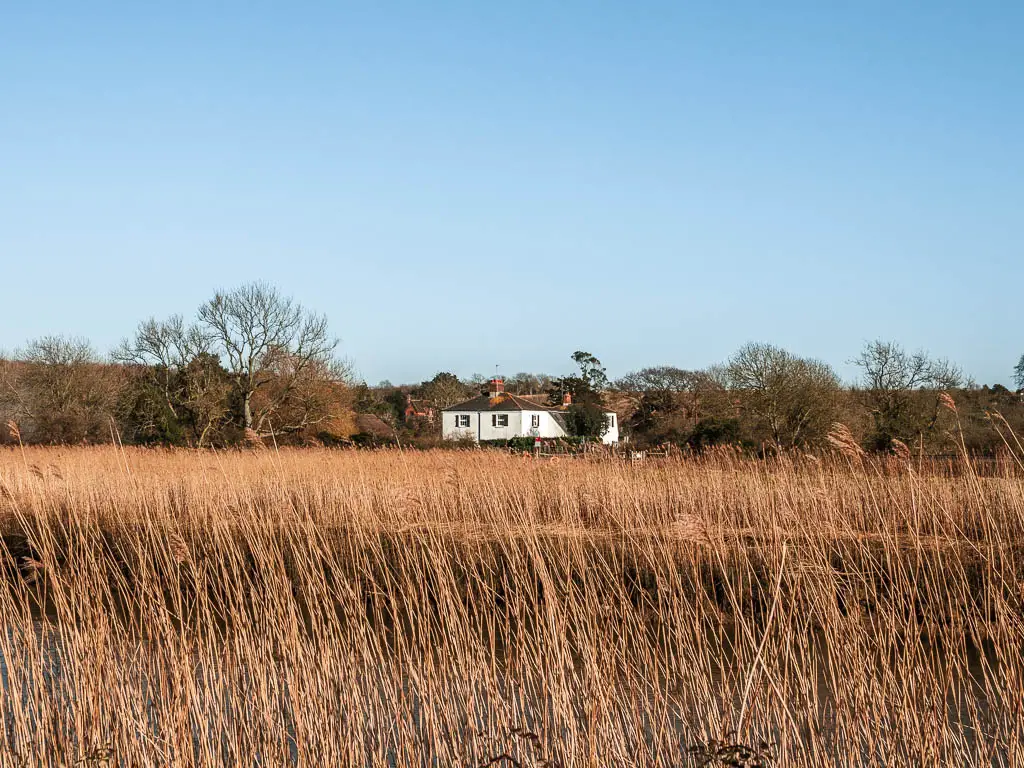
x: 355, y: 608
x: 253, y: 362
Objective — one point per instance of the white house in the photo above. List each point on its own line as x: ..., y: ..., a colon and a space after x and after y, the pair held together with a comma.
x: 500, y: 415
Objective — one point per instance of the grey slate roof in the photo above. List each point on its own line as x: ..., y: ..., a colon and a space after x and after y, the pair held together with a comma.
x: 559, y: 416
x: 503, y: 402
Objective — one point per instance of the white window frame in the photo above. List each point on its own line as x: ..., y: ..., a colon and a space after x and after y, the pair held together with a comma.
x: 535, y: 421
x: 462, y: 421
x: 499, y: 420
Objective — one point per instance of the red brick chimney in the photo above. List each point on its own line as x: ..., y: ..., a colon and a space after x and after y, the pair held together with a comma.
x: 497, y: 387
x: 567, y: 399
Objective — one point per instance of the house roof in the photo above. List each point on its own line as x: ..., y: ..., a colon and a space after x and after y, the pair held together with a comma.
x: 502, y: 402
x: 367, y: 423
x: 540, y: 400
x: 505, y: 401
x: 559, y: 416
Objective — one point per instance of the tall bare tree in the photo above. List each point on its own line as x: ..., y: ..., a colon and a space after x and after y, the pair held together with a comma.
x: 677, y: 389
x: 68, y: 393
x: 446, y: 389
x: 667, y: 402
x: 274, y: 347
x: 176, y: 360
x: 792, y: 400
x: 901, y: 390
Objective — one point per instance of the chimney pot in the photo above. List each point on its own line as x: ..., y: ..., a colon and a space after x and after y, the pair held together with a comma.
x: 567, y: 399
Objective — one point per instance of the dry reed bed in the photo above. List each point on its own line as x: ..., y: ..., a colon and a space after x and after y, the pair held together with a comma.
x: 449, y: 608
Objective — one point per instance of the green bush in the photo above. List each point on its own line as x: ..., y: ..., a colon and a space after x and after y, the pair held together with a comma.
x: 711, y: 432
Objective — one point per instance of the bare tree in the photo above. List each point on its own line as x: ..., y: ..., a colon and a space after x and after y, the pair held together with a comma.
x: 177, y: 361
x: 524, y: 383
x: 901, y: 389
x: 659, y: 378
x: 273, y: 346
x: 792, y: 399
x: 68, y: 393
x: 301, y: 395
x: 667, y: 400
x: 166, y: 348
x: 688, y: 385
x: 12, y: 395
x: 446, y: 389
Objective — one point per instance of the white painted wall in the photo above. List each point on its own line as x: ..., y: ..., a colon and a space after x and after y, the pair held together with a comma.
x: 450, y: 432
x: 489, y: 432
x: 548, y: 426
x: 481, y: 427
x: 612, y: 435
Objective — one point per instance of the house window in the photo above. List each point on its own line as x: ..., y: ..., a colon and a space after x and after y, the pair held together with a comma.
x: 499, y: 420
x: 611, y: 420
x: 462, y: 420
x: 535, y: 421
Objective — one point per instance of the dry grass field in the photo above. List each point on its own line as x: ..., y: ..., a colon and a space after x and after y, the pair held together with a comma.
x: 321, y: 608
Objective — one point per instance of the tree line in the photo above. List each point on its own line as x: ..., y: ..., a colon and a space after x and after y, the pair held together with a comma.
x: 250, y: 364
x: 763, y: 398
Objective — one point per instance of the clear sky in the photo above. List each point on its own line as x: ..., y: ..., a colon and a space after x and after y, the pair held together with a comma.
x: 459, y: 185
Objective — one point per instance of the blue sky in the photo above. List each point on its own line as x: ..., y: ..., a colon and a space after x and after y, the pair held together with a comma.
x: 459, y: 185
